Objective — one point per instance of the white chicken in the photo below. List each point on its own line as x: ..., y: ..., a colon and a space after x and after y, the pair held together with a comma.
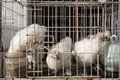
x: 86, y: 50
x: 21, y: 41
x: 59, y: 56
x: 111, y: 58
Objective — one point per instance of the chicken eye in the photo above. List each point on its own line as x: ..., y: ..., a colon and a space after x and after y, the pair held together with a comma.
x: 107, y: 38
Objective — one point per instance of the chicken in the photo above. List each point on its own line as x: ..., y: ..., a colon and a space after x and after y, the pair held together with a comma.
x: 86, y: 50
x: 111, y: 59
x: 59, y: 56
x: 27, y: 40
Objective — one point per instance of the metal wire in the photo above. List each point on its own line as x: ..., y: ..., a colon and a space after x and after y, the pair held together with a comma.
x: 76, y: 19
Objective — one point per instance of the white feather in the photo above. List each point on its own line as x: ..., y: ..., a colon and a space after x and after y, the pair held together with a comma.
x: 62, y: 55
x: 53, y: 62
x: 21, y: 39
x: 111, y: 60
x: 86, y: 49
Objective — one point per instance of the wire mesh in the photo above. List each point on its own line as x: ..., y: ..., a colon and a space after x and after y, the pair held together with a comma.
x: 63, y: 51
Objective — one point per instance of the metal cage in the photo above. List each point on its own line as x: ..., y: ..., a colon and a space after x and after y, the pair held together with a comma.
x: 77, y: 19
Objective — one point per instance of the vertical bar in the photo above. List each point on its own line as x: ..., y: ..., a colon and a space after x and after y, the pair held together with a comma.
x: 0, y: 25
x: 91, y: 20
x: 84, y: 20
x: 65, y: 18
x: 34, y: 15
x: 103, y: 27
x: 1, y: 45
x: 90, y: 27
x: 103, y: 16
x: 119, y: 30
x: 76, y: 30
x: 81, y: 20
x: 70, y: 35
x: 56, y: 29
x: 56, y: 20
x: 38, y: 57
x: 69, y: 16
x: 34, y: 18
x: 98, y: 25
x: 112, y: 28
x: 27, y: 22
x: 62, y: 9
x: 19, y: 7
x: 76, y: 20
x: 85, y: 30
x: 48, y: 8
x: 12, y: 33
x: 112, y: 16
x: 73, y: 11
